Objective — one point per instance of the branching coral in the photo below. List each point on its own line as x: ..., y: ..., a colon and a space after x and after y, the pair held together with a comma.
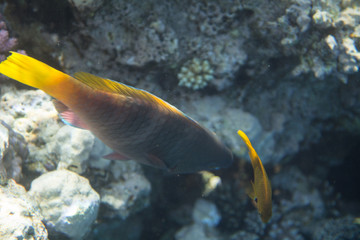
x: 195, y: 74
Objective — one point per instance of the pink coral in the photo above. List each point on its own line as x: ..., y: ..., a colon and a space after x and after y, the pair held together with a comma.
x: 6, y: 43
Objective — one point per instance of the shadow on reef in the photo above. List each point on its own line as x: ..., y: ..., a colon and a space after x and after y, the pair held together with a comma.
x: 56, y: 16
x: 335, y: 160
x: 346, y: 175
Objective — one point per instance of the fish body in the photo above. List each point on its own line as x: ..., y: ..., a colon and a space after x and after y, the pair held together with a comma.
x: 133, y: 123
x: 260, y: 191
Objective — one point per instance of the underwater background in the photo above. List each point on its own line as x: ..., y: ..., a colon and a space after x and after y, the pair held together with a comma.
x: 284, y: 72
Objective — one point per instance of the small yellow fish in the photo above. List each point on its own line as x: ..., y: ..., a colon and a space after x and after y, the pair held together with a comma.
x: 134, y: 123
x: 260, y: 190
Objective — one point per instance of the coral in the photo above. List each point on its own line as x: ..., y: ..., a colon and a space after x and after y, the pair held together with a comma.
x: 211, y: 182
x: 267, y: 60
x: 6, y: 43
x: 67, y: 202
x: 126, y: 195
x: 73, y: 148
x: 213, y: 17
x: 135, y: 39
x: 32, y: 114
x: 326, y: 54
x: 196, y: 231
x: 20, y: 218
x: 205, y: 217
x: 160, y: 41
x: 206, y: 213
x: 341, y: 228
x: 195, y: 74
x: 50, y: 143
x: 224, y: 53
x: 303, y: 196
x: 212, y: 113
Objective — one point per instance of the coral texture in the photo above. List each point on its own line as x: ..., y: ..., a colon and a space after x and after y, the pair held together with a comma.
x: 67, y: 202
x: 20, y: 218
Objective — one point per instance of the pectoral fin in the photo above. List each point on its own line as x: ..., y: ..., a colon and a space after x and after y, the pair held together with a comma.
x: 116, y: 156
x: 68, y: 116
x: 156, y: 161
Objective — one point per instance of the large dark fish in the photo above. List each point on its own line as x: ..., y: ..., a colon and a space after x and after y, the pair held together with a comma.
x: 134, y: 123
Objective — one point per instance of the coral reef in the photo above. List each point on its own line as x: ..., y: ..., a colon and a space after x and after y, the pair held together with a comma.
x: 69, y: 204
x: 20, y: 218
x: 272, y: 69
x: 321, y: 36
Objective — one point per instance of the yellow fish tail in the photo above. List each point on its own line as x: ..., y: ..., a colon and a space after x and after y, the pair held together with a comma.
x: 34, y: 73
x: 252, y: 152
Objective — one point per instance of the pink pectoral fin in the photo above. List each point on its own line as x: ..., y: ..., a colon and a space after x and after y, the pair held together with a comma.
x: 116, y: 156
x: 156, y: 161
x: 68, y: 116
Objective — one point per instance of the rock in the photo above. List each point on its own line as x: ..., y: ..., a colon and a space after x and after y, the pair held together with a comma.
x: 73, y: 146
x: 67, y: 202
x: 86, y: 5
x: 127, y: 195
x: 206, y: 217
x: 13, y: 151
x: 206, y: 213
x: 32, y: 114
x: 19, y: 217
x: 243, y: 235
x: 196, y: 231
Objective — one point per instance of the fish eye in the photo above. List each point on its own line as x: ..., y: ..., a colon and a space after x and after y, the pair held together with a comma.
x: 256, y: 200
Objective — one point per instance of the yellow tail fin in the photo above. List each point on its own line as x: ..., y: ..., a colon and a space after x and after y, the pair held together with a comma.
x: 251, y: 149
x: 32, y: 72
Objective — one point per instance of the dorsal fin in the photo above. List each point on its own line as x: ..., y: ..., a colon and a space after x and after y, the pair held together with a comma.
x: 108, y: 85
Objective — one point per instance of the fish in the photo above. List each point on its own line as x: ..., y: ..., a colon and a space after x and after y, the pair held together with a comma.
x: 134, y: 123
x: 260, y: 190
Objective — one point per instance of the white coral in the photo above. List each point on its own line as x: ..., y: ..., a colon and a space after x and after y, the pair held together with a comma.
x: 195, y: 74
